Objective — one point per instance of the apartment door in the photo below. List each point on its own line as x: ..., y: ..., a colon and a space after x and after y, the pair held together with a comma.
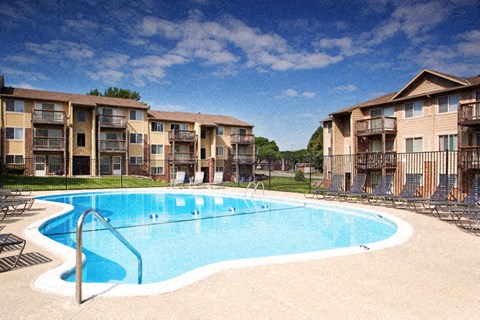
x: 81, y: 166
x: 116, y: 165
x: 40, y: 166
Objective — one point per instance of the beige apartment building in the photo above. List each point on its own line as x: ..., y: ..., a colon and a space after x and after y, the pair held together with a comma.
x: 54, y: 133
x: 433, y: 112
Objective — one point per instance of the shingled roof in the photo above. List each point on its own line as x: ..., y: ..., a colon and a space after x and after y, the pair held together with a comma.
x: 204, y: 119
x: 74, y: 98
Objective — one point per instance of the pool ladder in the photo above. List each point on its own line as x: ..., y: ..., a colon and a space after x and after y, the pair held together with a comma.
x: 255, y: 186
x: 79, y: 265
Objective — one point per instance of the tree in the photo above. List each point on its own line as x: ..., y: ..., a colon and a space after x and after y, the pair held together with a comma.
x: 266, y: 150
x: 315, y: 147
x: 116, y: 93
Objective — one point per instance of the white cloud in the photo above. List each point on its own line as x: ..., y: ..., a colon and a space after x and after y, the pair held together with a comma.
x: 292, y: 93
x: 22, y: 59
x: 107, y: 76
x: 56, y: 49
x: 347, y: 87
x: 28, y: 75
x: 24, y: 86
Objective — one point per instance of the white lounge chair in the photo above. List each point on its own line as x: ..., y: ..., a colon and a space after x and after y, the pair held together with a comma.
x: 217, y: 180
x: 197, y: 180
x: 179, y: 180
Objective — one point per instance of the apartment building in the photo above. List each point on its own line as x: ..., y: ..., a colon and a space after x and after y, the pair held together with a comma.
x: 190, y: 142
x: 432, y: 112
x: 54, y: 133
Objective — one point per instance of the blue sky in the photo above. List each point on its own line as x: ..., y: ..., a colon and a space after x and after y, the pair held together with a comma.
x: 282, y: 66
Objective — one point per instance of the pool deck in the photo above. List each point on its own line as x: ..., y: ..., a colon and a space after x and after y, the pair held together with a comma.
x: 434, y: 275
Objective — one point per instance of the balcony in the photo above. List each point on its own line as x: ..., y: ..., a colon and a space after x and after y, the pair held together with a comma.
x: 237, y: 138
x: 376, y: 160
x: 112, y: 145
x: 182, y: 158
x: 376, y: 126
x: 111, y: 121
x: 469, y: 158
x: 469, y: 114
x: 48, y: 144
x: 181, y: 136
x: 244, y: 159
x: 48, y: 117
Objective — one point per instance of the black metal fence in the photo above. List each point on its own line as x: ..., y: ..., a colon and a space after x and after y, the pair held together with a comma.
x: 55, y: 173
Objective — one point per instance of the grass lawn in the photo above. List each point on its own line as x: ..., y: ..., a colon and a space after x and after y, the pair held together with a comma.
x: 287, y: 184
x: 69, y: 183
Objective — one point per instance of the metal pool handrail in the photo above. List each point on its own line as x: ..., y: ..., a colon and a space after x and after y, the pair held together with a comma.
x: 255, y: 186
x: 78, y: 269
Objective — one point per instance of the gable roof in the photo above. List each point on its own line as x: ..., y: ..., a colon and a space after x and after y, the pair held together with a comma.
x: 455, y: 80
x: 203, y: 119
x: 74, y: 98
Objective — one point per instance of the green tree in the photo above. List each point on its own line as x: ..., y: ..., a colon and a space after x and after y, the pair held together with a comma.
x: 315, y: 147
x: 117, y: 93
x: 266, y: 149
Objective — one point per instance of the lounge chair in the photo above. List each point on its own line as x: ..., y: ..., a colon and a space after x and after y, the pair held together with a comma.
x: 15, y: 206
x: 438, y: 197
x: 357, y: 188
x: 217, y: 180
x: 10, y: 242
x: 467, y: 219
x: 382, y: 190
x: 334, y: 188
x: 179, y: 180
x: 409, y: 191
x: 197, y: 180
x: 449, y: 210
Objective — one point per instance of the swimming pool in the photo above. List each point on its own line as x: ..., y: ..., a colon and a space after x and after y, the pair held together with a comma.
x: 185, y: 235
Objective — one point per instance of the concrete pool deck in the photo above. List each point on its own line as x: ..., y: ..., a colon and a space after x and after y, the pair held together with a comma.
x: 434, y: 275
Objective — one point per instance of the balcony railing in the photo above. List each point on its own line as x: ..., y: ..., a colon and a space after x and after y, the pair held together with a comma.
x: 377, y: 125
x: 237, y: 138
x: 469, y: 114
x: 48, y: 116
x: 244, y: 159
x: 182, y: 157
x: 112, y: 121
x: 181, y: 136
x: 469, y: 157
x: 46, y: 143
x: 376, y: 160
x: 113, y: 145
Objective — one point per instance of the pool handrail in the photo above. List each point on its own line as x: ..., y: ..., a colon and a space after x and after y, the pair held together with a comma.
x: 255, y: 186
x: 79, y: 264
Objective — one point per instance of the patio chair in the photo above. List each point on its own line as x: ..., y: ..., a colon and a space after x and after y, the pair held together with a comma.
x: 15, y: 206
x: 198, y: 180
x: 179, y: 180
x: 439, y: 197
x: 11, y: 193
x: 449, y: 210
x: 467, y: 219
x: 409, y: 191
x: 217, y: 180
x: 357, y: 188
x: 11, y: 242
x: 329, y: 193
x: 382, y: 190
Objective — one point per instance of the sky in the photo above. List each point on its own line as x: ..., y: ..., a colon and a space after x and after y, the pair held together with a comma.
x: 280, y: 65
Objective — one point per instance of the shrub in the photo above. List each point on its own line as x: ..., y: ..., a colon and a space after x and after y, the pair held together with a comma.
x: 299, y: 176
x: 14, y: 170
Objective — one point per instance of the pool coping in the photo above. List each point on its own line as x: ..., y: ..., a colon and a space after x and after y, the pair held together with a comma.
x: 51, y: 281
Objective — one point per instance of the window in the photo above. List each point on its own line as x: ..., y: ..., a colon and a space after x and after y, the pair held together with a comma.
x: 448, y: 104
x: 14, y: 133
x: 447, y: 142
x: 157, y: 126
x: 414, y: 144
x: 179, y: 126
x: 203, y: 133
x: 15, y: 105
x: 136, y: 115
x: 157, y: 149
x: 413, y: 109
x: 136, y: 160
x: 414, y: 178
x: 389, y: 111
x: 329, y: 128
x: 241, y: 131
x: 81, y: 116
x: 104, y: 165
x: 477, y: 96
x: 14, y: 159
x: 48, y: 133
x: 81, y: 139
x: 220, y: 131
x: 219, y: 151
x: 55, y: 164
x: 136, y: 138
x: 203, y: 153
x: 156, y: 170
x: 218, y: 169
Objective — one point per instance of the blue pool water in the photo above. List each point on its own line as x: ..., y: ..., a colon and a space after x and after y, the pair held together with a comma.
x: 177, y: 232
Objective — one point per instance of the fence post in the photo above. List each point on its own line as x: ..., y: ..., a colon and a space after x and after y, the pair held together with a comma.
x: 66, y: 180
x: 310, y: 168
x: 269, y: 172
x: 446, y: 169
